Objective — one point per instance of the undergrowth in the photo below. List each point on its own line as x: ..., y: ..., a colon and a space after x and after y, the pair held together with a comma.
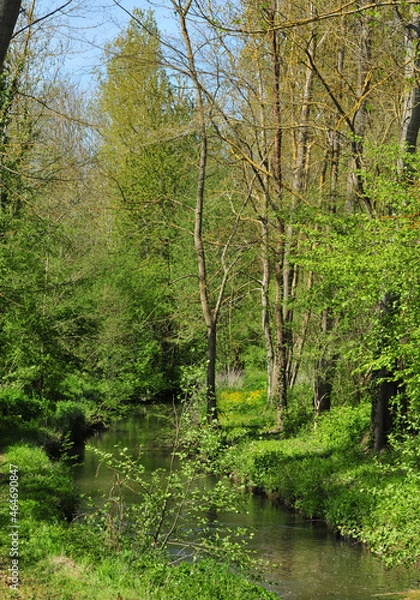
x: 327, y: 472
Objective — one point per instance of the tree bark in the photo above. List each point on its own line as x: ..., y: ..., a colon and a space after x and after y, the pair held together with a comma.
x: 210, y: 316
x: 356, y: 187
x: 327, y: 361
x: 385, y: 380
x: 280, y: 379
x: 381, y: 417
x: 325, y: 369
x: 292, y: 274
x: 9, y: 12
x: 265, y: 310
x: 411, y: 109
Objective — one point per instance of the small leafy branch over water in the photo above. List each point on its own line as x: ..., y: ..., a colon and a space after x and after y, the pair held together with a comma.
x: 175, y: 509
x: 122, y: 550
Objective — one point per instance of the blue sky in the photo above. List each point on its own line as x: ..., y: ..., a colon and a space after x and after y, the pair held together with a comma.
x: 85, y: 26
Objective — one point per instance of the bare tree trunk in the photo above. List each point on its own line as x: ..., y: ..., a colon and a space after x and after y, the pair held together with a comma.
x: 325, y: 369
x: 326, y: 364
x: 209, y: 317
x: 266, y: 258
x: 265, y: 312
x: 385, y: 385
x: 9, y: 12
x: 356, y: 191
x: 291, y: 274
x: 280, y: 380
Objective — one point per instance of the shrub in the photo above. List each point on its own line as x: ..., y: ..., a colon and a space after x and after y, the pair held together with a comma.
x: 15, y: 404
x: 69, y: 419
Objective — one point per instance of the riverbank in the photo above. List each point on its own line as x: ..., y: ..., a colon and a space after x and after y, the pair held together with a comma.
x: 45, y: 554
x: 326, y: 473
x: 329, y: 473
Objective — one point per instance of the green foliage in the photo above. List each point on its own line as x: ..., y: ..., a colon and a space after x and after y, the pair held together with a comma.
x: 358, y: 262
x: 343, y: 427
x: 326, y: 472
x: 15, y: 405
x: 299, y: 412
x: 39, y: 480
x: 77, y: 561
x: 70, y: 419
x: 167, y: 509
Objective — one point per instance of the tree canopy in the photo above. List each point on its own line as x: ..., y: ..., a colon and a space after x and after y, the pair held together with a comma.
x: 244, y: 196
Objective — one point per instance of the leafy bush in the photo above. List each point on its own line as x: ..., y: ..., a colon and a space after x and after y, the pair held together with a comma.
x: 299, y: 412
x: 392, y: 528
x: 69, y: 419
x: 344, y: 426
x: 15, y: 404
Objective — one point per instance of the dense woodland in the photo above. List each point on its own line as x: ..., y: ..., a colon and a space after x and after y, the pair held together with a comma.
x: 243, y: 196
x: 227, y: 219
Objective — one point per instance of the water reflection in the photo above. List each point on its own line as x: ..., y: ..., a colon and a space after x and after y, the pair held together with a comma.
x: 307, y: 562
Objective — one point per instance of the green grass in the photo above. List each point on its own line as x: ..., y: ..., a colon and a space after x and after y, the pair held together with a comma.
x: 328, y: 473
x: 62, y: 578
x: 243, y: 412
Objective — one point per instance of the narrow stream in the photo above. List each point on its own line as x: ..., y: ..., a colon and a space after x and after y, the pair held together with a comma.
x: 307, y: 562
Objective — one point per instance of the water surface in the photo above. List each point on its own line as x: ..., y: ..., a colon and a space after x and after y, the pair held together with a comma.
x: 306, y: 561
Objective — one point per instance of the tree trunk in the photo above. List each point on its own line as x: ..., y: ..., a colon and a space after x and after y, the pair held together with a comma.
x: 411, y: 108
x: 385, y: 381
x: 210, y: 314
x: 9, y: 12
x: 265, y: 310
x: 281, y: 349
x: 326, y: 363
x: 325, y: 369
x: 381, y: 417
x: 356, y: 187
x: 292, y: 275
x: 266, y: 251
x: 280, y: 379
x: 211, y: 373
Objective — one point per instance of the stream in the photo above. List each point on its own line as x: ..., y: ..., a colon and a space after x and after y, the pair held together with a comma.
x: 306, y: 560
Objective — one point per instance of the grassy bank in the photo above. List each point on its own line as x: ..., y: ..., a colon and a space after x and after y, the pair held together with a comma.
x: 61, y: 559
x: 328, y: 472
